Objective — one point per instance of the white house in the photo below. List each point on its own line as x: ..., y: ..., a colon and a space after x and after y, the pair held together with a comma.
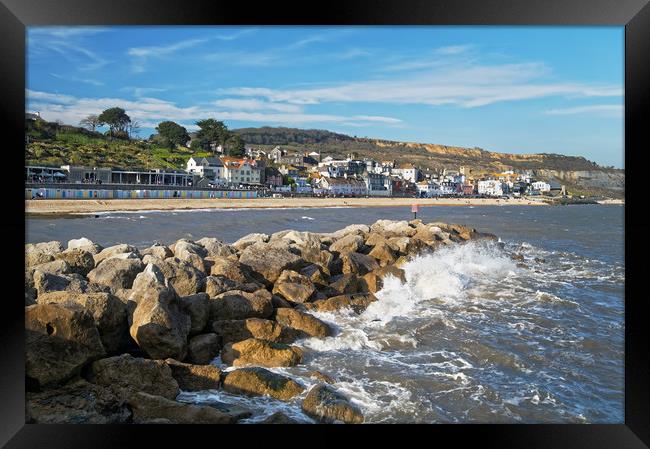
x: 241, y: 171
x: 342, y: 186
x: 490, y: 187
x: 208, y: 167
x: 408, y: 172
x: 541, y: 186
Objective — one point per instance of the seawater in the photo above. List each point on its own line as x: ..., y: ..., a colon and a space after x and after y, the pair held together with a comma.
x: 472, y: 336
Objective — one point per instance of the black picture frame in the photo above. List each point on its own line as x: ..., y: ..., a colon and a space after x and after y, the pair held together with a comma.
x: 15, y: 15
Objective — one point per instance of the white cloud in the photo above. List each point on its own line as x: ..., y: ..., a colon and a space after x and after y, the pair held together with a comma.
x: 609, y: 110
x: 454, y: 49
x: 163, y: 50
x: 254, y: 104
x: 67, y: 42
x: 78, y: 80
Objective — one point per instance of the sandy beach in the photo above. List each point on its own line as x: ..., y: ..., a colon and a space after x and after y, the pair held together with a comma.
x: 58, y: 207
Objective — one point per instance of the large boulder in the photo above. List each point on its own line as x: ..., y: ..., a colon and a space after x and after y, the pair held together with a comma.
x: 191, y: 252
x: 195, y: 377
x: 79, y: 260
x: 216, y: 248
x: 391, y: 228
x: 279, y: 418
x: 249, y: 240
x: 116, y: 273
x: 78, y: 402
x: 216, y: 285
x: 356, y: 229
x: 239, y: 305
x: 51, y: 248
x: 183, y: 277
x: 232, y: 331
x: 254, y: 351
x: 108, y: 312
x: 383, y: 253
x: 358, y: 263
x: 255, y: 381
x: 308, y: 325
x: 232, y: 269
x: 294, y: 287
x: 37, y: 258
x: 159, y: 326
x: 327, y: 405
x: 345, y: 284
x: 113, y: 251
x: 374, y: 281
x: 197, y: 308
x: 150, y: 409
x: 157, y: 250
x: 348, y: 243
x: 48, y: 282
x: 133, y: 374
x: 316, y: 273
x: 358, y: 303
x: 271, y: 259
x: 84, y: 244
x: 202, y: 349
x: 59, y: 342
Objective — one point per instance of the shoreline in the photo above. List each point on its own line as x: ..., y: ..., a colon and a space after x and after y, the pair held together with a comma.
x: 48, y: 208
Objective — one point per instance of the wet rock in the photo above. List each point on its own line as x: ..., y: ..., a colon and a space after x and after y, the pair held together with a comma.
x: 239, y: 305
x: 256, y: 381
x: 202, y: 349
x: 133, y: 374
x: 79, y: 260
x: 517, y: 257
x: 59, y: 342
x: 374, y: 281
x: 345, y: 284
x: 107, y: 311
x: 294, y: 287
x: 254, y: 351
x: 358, y: 263
x: 357, y: 302
x: 316, y: 273
x: 321, y: 377
x: 116, y: 273
x: 195, y: 377
x: 327, y: 405
x: 348, y: 243
x: 383, y: 253
x: 148, y: 407
x: 183, y: 277
x: 232, y: 331
x: 279, y: 418
x: 308, y: 325
x: 197, y: 308
x: 279, y: 302
x: 78, y: 402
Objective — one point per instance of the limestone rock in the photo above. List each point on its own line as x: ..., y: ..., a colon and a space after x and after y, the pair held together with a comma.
x: 321, y: 377
x: 348, y: 243
x: 197, y: 308
x: 216, y: 248
x: 46, y: 282
x: 202, y: 349
x: 345, y: 284
x: 358, y: 263
x: 51, y: 248
x: 114, y: 250
x: 390, y: 228
x: 294, y: 287
x: 239, y: 305
x: 308, y: 325
x: 260, y: 352
x: 85, y: 244
x: 279, y: 418
x: 232, y: 270
x: 216, y: 285
x: 59, y: 342
x: 157, y: 250
x: 195, y: 377
x: 79, y: 260
x: 249, y: 240
x: 383, y: 253
x: 116, y: 273
x: 37, y: 258
x: 270, y: 260
x: 148, y: 407
x: 232, y: 331
x: 183, y: 277
x: 255, y: 381
x: 327, y: 405
x: 358, y: 303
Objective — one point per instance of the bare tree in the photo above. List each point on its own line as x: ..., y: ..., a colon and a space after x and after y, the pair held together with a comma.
x: 91, y: 122
x: 134, y: 128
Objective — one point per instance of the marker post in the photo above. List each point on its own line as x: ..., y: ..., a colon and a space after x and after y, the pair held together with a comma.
x: 415, y: 208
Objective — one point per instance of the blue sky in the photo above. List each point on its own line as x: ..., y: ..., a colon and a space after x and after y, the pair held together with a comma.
x: 507, y: 89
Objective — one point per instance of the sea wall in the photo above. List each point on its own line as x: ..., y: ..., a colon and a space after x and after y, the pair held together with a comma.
x: 53, y: 193
x: 114, y: 334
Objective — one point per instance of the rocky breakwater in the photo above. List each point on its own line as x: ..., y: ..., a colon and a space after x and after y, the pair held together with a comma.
x: 114, y: 334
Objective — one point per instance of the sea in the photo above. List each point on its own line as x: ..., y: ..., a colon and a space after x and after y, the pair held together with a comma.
x: 472, y: 336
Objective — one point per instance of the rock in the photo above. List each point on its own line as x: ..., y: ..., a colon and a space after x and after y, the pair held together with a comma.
x: 157, y: 250
x: 374, y: 238
x: 383, y: 253
x: 316, y: 273
x: 232, y: 331
x: 59, y: 342
x: 216, y: 285
x: 249, y: 240
x: 51, y: 248
x: 191, y: 252
x: 279, y: 302
x: 202, y: 349
x: 348, y: 243
x: 58, y: 267
x: 358, y: 303
x: 327, y: 405
x: 133, y: 374
x: 232, y: 270
x: 107, y: 311
x: 37, y: 258
x: 197, y: 308
x: 279, y: 418
x: 294, y: 287
x: 112, y: 251
x: 116, y: 273
x: 254, y: 351
x: 358, y: 263
x: 183, y: 277
x: 158, y: 325
x: 85, y: 244
x: 78, y: 402
x: 390, y: 228
x: 147, y: 407
x: 195, y: 377
x: 357, y: 229
x: 239, y: 305
x: 320, y: 376
x: 79, y: 260
x: 46, y: 282
x: 216, y: 248
x: 300, y: 238
x: 256, y: 381
x: 345, y: 284
x: 463, y: 232
x: 517, y: 257
x: 270, y: 260
x: 308, y: 325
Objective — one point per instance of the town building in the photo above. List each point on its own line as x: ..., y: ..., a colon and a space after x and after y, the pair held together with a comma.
x: 273, y: 176
x: 490, y: 187
x: 206, y: 167
x: 241, y: 171
x: 342, y: 186
x: 378, y: 184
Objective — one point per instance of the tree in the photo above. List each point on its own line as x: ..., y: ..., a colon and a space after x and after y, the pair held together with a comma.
x: 91, y: 122
x: 234, y: 146
x: 133, y: 128
x: 172, y: 134
x: 117, y: 121
x: 211, y: 133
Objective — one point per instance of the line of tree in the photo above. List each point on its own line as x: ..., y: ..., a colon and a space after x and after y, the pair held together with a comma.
x: 118, y: 121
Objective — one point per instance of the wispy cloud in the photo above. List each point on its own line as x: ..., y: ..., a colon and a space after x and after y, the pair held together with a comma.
x: 69, y: 43
x: 454, y: 49
x: 74, y: 79
x: 608, y: 110
x: 256, y: 105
